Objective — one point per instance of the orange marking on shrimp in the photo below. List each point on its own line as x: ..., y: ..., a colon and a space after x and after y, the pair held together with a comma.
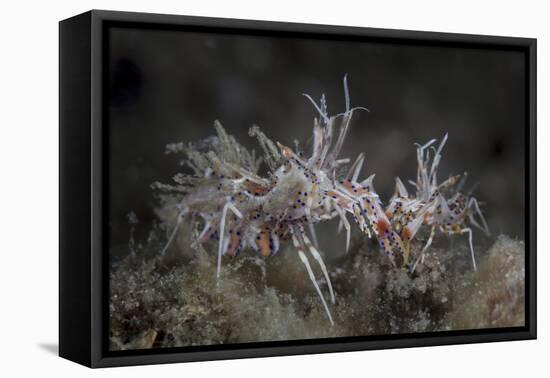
x: 383, y: 226
x: 353, y: 189
x: 368, y: 207
x: 406, y: 234
x: 263, y: 240
x: 254, y: 188
x: 359, y: 219
x: 341, y: 201
x: 233, y: 247
x: 285, y: 151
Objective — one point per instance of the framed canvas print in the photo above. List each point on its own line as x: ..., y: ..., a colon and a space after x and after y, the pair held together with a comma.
x: 234, y: 188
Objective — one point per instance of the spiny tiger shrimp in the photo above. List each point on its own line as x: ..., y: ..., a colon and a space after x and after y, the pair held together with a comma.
x: 240, y: 209
x: 429, y: 206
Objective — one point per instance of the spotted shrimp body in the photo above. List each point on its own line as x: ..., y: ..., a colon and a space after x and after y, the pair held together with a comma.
x: 437, y: 206
x: 238, y: 209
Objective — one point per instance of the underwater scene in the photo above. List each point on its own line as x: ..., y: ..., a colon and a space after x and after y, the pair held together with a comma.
x: 266, y: 188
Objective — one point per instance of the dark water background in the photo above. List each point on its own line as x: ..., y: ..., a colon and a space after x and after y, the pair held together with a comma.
x: 169, y: 86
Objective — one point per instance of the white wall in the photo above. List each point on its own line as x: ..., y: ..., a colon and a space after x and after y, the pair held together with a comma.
x: 28, y: 198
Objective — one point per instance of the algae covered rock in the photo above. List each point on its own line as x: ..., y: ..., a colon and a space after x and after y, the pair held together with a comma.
x: 176, y: 300
x: 495, y: 295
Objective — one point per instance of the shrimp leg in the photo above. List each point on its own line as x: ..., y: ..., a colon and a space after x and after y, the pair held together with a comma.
x: 228, y: 206
x: 428, y: 243
x: 319, y: 259
x: 469, y: 232
x: 179, y: 218
x: 345, y: 223
x: 305, y: 261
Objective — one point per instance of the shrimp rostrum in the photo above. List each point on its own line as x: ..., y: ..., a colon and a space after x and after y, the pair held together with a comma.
x: 437, y: 206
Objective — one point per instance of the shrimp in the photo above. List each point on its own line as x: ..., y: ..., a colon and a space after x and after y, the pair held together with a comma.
x: 239, y: 209
x: 429, y: 207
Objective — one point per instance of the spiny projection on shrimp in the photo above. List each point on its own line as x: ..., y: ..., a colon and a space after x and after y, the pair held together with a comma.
x: 239, y: 209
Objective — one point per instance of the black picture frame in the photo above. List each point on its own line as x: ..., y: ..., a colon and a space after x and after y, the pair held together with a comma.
x: 83, y: 273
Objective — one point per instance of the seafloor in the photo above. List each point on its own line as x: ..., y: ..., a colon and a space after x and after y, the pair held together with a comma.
x: 176, y: 300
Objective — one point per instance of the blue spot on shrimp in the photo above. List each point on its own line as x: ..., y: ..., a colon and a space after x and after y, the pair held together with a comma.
x: 227, y: 192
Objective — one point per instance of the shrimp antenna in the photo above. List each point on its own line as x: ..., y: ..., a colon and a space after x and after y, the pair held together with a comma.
x: 323, y: 114
x: 346, y: 92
